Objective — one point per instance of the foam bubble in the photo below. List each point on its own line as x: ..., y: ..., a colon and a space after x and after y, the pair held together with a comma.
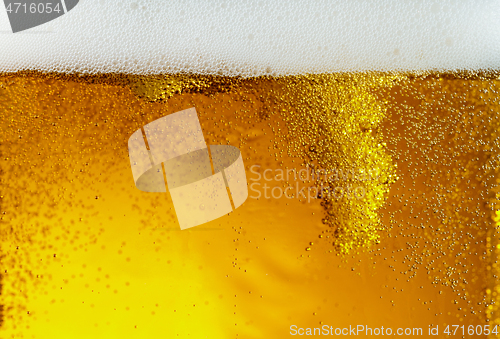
x: 250, y: 38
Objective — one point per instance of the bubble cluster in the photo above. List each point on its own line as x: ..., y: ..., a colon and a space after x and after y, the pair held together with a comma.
x: 248, y: 38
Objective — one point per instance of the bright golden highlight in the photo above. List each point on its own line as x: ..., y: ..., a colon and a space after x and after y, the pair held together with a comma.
x: 87, y: 254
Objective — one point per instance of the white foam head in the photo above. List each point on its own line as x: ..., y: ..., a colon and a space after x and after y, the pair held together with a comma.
x: 250, y: 38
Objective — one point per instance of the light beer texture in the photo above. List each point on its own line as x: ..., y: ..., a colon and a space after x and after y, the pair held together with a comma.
x: 85, y: 254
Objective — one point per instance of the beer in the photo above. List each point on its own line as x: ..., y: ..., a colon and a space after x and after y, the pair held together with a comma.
x: 372, y: 203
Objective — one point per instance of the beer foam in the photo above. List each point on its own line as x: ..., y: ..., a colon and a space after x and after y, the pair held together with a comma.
x: 248, y: 38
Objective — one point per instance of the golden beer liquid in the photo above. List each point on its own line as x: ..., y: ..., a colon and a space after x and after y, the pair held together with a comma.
x: 87, y: 255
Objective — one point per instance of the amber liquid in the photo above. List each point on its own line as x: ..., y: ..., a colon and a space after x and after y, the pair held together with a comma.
x: 87, y: 255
